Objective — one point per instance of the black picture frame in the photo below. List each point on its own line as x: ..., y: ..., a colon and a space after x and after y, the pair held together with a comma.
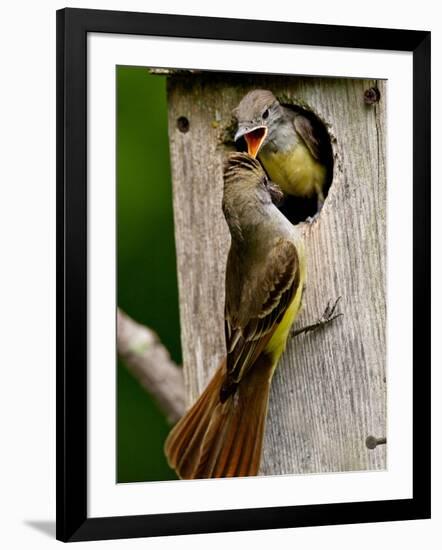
x: 73, y: 25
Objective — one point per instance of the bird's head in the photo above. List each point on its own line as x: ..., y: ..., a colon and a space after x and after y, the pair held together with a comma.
x: 246, y: 186
x: 258, y: 114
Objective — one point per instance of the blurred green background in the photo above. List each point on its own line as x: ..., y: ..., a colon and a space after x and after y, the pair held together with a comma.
x: 147, y: 282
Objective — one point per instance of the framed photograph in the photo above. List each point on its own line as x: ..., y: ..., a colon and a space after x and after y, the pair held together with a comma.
x: 243, y: 275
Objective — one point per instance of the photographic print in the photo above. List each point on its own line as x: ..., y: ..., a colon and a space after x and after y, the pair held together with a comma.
x: 251, y: 274
x: 243, y: 289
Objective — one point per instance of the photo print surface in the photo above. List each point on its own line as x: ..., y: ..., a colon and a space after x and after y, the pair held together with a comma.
x: 251, y: 274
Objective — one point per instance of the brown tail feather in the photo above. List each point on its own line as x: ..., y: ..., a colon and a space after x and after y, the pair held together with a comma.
x: 182, y: 443
x: 215, y: 439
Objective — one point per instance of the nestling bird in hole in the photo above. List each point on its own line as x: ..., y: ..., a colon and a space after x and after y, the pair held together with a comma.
x: 287, y: 143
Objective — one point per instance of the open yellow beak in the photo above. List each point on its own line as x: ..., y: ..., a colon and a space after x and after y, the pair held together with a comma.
x: 255, y: 139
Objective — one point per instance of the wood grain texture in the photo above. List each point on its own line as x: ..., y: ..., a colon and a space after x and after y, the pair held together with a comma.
x: 329, y: 391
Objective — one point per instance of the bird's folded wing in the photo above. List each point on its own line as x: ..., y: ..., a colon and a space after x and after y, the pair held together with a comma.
x: 305, y: 129
x: 253, y: 314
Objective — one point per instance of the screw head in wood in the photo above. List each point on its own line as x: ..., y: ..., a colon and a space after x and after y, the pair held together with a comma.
x: 372, y: 96
x: 372, y: 442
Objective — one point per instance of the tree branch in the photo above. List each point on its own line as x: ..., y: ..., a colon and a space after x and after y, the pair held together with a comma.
x: 149, y: 361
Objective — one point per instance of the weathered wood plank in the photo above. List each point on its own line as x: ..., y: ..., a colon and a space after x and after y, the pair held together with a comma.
x: 329, y: 392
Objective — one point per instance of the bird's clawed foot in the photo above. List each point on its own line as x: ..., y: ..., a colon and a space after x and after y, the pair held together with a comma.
x: 327, y: 317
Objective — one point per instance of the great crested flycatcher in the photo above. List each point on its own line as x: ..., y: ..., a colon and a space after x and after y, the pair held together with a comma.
x: 286, y: 143
x: 221, y: 435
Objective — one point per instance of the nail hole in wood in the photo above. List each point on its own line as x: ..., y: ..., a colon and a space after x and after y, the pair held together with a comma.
x: 183, y: 124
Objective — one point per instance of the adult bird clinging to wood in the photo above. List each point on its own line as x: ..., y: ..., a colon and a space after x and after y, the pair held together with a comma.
x: 286, y: 143
x: 221, y: 435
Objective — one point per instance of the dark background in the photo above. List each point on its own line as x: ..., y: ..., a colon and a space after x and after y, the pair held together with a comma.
x: 147, y: 283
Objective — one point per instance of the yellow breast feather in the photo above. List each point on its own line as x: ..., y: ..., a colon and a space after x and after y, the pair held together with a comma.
x: 295, y: 171
x: 278, y: 341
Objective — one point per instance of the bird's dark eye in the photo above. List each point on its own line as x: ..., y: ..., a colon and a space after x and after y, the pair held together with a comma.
x: 265, y: 114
